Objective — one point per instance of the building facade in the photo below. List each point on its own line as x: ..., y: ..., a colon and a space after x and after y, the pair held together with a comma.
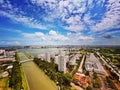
x: 61, y: 63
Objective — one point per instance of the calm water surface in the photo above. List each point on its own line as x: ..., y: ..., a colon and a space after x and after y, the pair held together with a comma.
x: 35, y: 52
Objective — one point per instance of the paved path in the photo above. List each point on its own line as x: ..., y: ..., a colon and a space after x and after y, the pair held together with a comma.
x: 81, y: 64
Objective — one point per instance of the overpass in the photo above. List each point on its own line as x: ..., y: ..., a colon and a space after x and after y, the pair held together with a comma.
x: 28, y: 60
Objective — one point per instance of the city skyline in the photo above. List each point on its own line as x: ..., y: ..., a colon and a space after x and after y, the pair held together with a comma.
x: 59, y: 22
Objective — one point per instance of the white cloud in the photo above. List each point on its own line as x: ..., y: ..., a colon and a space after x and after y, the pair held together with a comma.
x: 36, y: 36
x: 28, y: 35
x: 77, y: 21
x: 30, y: 22
x: 50, y: 36
x: 1, y: 1
x: 85, y: 38
x: 75, y: 24
x: 17, y: 15
x: 39, y: 34
x: 111, y: 18
x: 53, y: 33
x: 42, y: 1
x: 10, y: 43
x: 72, y: 7
x: 78, y: 37
x: 109, y: 33
x: 63, y: 9
x: 55, y: 36
x: 76, y: 14
x: 75, y: 28
x: 51, y: 4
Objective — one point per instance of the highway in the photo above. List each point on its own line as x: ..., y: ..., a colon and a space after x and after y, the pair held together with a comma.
x: 108, y: 65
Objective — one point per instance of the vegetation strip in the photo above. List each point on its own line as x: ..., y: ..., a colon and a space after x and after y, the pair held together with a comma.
x: 51, y: 70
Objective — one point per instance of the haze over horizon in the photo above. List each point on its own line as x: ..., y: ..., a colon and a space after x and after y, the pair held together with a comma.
x: 59, y: 22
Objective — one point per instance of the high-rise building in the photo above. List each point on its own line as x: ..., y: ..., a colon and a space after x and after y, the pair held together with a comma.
x: 47, y: 57
x: 72, y: 61
x: 61, y: 52
x: 2, y: 53
x: 61, y: 63
x: 9, y: 53
x: 56, y: 59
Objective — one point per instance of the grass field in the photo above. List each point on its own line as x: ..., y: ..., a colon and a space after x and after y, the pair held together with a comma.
x: 24, y: 81
x: 36, y: 78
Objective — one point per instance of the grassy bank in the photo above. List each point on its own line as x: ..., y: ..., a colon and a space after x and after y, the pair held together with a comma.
x: 37, y: 80
x: 24, y: 81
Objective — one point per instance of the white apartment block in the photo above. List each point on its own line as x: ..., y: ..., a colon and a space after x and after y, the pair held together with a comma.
x: 62, y: 63
x: 47, y: 57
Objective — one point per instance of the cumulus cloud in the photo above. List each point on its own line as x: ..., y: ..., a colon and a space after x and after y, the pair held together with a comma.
x: 17, y: 15
x: 111, y: 18
x: 51, y: 35
x: 27, y: 21
x: 56, y: 36
x: 79, y: 37
x: 36, y: 35
x: 83, y: 17
x: 78, y: 14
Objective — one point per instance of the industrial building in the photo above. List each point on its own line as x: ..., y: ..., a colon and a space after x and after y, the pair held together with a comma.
x: 93, y: 64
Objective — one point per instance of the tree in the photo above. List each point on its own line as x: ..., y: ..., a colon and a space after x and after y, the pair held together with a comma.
x: 89, y: 88
x: 97, y: 83
x: 16, y: 78
x: 95, y: 75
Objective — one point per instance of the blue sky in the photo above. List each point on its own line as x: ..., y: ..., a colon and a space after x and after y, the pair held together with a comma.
x: 59, y: 22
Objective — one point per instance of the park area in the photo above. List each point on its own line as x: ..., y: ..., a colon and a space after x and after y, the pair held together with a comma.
x: 36, y: 78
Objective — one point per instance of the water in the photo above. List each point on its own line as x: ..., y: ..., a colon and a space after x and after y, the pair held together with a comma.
x: 35, y: 52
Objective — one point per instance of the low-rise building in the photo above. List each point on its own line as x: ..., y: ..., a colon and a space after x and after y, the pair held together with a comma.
x: 93, y: 64
x: 47, y: 57
x: 81, y: 79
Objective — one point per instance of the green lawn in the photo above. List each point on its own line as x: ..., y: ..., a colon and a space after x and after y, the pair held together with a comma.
x: 24, y: 81
x: 36, y: 78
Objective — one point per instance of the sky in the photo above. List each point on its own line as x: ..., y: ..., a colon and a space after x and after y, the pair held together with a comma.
x: 59, y: 22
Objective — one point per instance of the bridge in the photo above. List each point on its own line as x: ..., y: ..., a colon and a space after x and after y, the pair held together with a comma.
x: 28, y: 60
